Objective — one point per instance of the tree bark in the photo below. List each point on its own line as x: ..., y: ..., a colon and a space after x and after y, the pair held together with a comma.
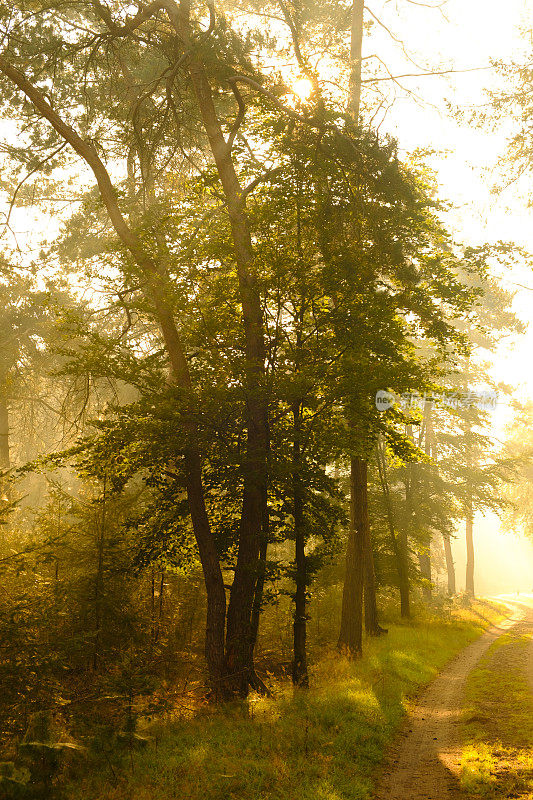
x: 299, y: 665
x: 351, y: 630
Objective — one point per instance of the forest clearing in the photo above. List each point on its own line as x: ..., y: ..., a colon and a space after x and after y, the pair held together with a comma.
x: 266, y: 405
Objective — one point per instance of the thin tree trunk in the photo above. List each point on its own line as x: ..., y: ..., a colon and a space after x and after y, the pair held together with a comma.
x: 399, y: 543
x: 448, y: 554
x: 351, y: 630
x: 99, y: 578
x: 468, y: 506
x: 416, y: 527
x: 469, y: 517
x: 450, y: 566
x: 299, y: 664
x: 360, y: 577
x: 469, y: 585
x: 425, y: 554
x: 372, y: 626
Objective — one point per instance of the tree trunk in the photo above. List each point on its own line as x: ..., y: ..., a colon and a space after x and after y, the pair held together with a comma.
x: 400, y: 546
x: 256, y: 682
x: 299, y: 664
x: 450, y: 566
x: 351, y: 631
x: 469, y: 512
x: 424, y: 563
x: 356, y: 49
x: 416, y: 527
x: 372, y: 626
x: 99, y: 577
x: 239, y: 628
x: 469, y: 585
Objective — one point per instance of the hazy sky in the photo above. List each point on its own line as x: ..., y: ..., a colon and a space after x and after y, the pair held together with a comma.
x: 468, y: 34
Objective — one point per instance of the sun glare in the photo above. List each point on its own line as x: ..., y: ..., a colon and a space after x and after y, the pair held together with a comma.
x: 303, y: 89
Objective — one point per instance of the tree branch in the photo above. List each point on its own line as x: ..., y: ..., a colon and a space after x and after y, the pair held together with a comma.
x: 239, y: 119
x: 107, y: 192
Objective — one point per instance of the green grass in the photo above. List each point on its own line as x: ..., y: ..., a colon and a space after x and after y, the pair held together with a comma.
x: 497, y: 758
x: 323, y: 744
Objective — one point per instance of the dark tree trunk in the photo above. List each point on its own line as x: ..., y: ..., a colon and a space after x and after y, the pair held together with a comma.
x: 450, y: 566
x: 403, y: 575
x: 351, y: 630
x: 258, y: 594
x: 239, y: 635
x: 299, y: 664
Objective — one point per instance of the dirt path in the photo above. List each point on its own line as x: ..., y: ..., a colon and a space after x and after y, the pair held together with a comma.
x: 425, y: 762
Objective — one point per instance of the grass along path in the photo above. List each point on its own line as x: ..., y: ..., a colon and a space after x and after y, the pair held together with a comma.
x: 325, y: 744
x: 498, y: 724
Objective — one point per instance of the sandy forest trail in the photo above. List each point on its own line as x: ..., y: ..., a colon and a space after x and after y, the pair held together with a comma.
x: 425, y: 763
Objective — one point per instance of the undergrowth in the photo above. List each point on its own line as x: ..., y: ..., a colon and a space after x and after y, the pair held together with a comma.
x: 326, y: 743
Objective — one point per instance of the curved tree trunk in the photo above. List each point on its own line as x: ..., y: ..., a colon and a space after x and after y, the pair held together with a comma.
x: 158, y: 292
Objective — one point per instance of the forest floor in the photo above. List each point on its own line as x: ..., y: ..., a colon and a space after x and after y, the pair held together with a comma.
x: 329, y: 743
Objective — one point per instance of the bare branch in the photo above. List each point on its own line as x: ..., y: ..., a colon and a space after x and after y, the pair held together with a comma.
x: 239, y: 119
x: 260, y: 179
x: 428, y: 74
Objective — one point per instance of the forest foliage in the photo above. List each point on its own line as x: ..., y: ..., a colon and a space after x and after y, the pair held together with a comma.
x: 195, y: 468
